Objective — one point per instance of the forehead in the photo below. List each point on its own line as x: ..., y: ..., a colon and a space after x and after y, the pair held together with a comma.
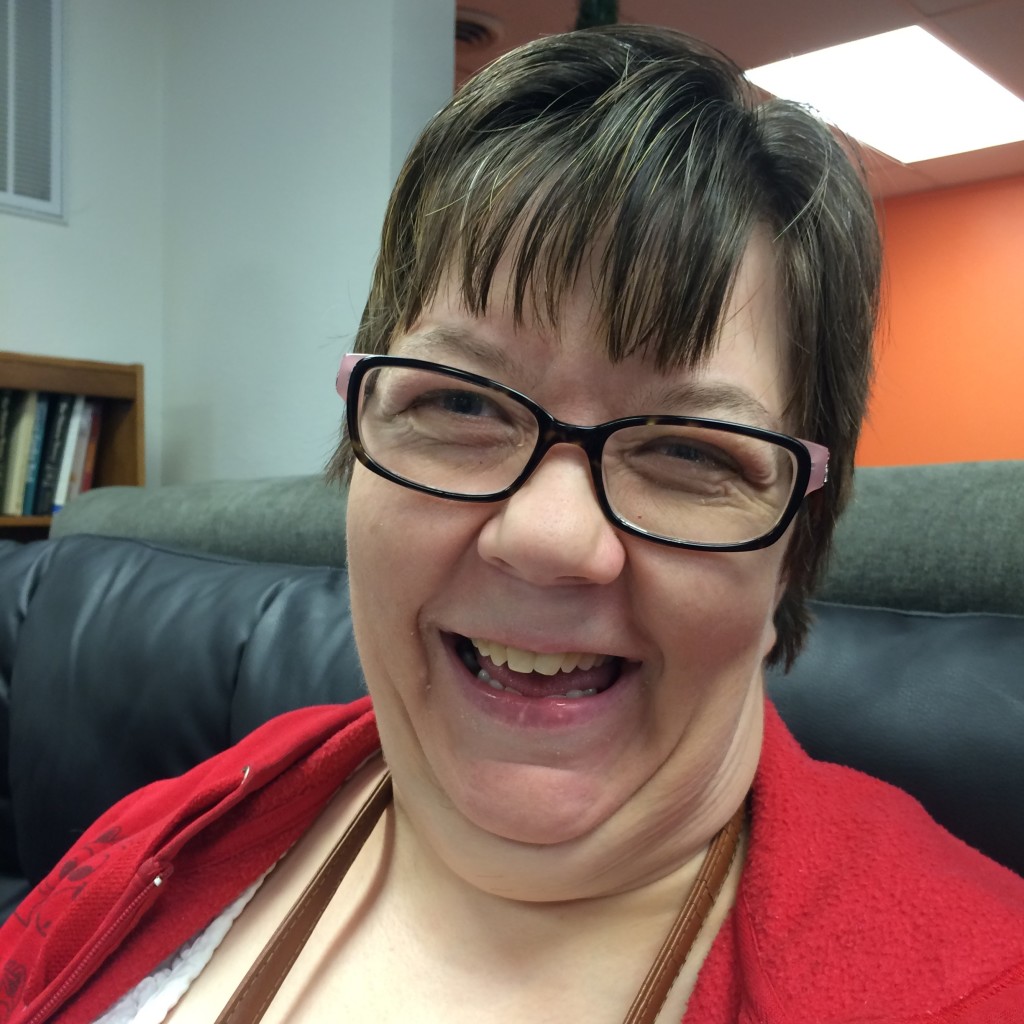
x: 567, y: 349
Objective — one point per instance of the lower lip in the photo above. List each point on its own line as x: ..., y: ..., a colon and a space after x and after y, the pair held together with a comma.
x: 546, y: 713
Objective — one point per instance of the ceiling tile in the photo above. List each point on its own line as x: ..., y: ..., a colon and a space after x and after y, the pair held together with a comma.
x: 929, y: 7
x: 753, y: 32
x: 992, y: 36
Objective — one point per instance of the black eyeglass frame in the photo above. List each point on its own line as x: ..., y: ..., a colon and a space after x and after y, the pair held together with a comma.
x: 810, y: 457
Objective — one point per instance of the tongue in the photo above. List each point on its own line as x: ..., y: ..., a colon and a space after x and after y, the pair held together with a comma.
x: 533, y: 684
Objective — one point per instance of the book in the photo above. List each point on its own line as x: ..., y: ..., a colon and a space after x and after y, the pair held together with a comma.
x: 60, y: 494
x: 89, y: 466
x: 23, y: 418
x: 6, y: 404
x: 90, y: 412
x: 57, y: 424
x: 35, y: 453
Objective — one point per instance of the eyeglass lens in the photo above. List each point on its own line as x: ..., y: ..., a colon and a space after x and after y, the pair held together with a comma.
x: 680, y: 481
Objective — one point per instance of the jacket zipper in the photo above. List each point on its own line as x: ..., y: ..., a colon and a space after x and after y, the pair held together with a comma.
x: 103, y: 944
x: 116, y: 930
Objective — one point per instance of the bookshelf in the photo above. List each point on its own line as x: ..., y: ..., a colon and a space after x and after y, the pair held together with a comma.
x: 120, y: 453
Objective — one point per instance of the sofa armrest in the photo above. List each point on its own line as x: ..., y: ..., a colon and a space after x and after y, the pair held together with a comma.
x: 932, y: 703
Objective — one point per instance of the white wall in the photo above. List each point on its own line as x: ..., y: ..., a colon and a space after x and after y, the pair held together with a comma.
x: 91, y: 288
x: 285, y: 128
x: 228, y: 166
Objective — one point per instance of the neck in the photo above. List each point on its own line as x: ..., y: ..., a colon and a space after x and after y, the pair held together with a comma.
x: 577, y: 953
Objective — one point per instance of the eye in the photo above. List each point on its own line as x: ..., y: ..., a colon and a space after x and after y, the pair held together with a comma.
x: 402, y: 392
x: 458, y: 402
x: 690, y: 456
x: 700, y: 455
x: 683, y: 454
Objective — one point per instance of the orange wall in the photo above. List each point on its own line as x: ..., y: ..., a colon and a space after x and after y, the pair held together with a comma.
x: 949, y: 383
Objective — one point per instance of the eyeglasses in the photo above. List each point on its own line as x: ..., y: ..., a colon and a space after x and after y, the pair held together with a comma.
x: 686, y: 481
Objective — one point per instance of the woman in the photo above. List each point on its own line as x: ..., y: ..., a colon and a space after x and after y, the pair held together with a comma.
x: 613, y: 294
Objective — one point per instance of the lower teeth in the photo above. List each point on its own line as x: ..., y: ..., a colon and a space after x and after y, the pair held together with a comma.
x: 495, y: 685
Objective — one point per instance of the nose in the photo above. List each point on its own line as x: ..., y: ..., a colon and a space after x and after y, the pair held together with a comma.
x: 552, y: 530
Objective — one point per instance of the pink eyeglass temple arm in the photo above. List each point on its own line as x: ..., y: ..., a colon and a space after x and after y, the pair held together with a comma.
x: 819, y: 466
x: 348, y: 364
x: 818, y: 452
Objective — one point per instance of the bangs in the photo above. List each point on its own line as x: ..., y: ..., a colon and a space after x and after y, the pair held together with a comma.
x: 651, y: 194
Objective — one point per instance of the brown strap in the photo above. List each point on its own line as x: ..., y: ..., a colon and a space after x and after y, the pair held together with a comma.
x: 681, y: 936
x: 257, y: 989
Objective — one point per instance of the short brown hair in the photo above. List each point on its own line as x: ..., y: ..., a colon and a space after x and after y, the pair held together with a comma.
x: 649, y: 151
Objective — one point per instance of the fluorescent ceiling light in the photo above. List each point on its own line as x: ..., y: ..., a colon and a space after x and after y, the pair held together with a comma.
x: 903, y: 92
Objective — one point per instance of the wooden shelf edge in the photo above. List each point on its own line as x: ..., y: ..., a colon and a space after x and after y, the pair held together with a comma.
x: 7, y: 522
x: 74, y: 376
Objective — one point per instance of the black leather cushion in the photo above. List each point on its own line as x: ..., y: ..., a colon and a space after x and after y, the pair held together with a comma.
x: 121, y: 662
x: 134, y: 663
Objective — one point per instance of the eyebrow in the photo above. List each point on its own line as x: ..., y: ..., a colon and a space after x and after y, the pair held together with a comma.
x: 701, y: 397
x: 458, y: 341
x: 692, y: 398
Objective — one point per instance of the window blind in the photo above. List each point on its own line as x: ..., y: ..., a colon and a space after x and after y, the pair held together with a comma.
x: 30, y: 106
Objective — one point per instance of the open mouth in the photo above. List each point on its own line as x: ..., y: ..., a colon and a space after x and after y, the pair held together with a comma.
x: 568, y: 675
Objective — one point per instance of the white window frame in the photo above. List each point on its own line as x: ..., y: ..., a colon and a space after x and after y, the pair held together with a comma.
x: 11, y: 201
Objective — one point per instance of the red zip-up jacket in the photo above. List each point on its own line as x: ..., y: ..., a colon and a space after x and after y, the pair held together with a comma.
x: 854, y: 906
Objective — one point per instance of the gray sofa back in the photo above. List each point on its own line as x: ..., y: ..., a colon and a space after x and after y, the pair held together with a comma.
x: 942, y: 538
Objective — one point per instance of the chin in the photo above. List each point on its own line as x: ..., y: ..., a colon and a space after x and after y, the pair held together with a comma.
x: 535, y: 805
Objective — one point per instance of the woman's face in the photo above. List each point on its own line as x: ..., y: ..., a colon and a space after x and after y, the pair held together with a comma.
x: 535, y: 793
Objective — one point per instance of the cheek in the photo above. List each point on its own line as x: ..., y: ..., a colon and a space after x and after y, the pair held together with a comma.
x: 713, y: 615
x: 392, y: 535
x: 364, y: 534
x: 715, y: 611
x: 404, y: 548
x: 374, y: 565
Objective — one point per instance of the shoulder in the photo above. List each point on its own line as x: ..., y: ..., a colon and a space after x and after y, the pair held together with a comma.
x: 305, y: 740
x: 852, y: 891
x: 167, y: 858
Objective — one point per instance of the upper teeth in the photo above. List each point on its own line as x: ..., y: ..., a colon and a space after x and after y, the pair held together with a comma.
x: 530, y: 661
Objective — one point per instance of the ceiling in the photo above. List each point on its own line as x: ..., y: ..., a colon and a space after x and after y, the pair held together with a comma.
x: 990, y: 33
